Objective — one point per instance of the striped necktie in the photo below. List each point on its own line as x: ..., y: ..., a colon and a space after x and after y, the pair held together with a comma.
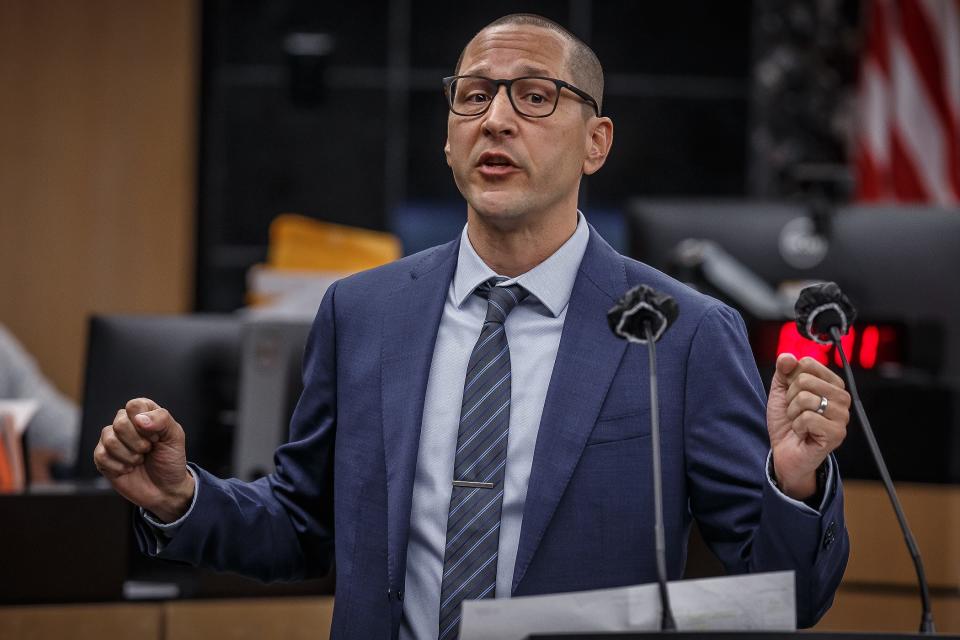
x: 473, y: 524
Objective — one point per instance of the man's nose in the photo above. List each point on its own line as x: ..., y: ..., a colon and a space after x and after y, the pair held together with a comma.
x: 500, y: 118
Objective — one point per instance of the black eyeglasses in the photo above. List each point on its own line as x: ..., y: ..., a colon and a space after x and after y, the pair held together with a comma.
x: 533, y: 96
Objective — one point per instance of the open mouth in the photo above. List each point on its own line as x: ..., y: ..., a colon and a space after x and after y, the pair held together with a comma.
x: 496, y: 163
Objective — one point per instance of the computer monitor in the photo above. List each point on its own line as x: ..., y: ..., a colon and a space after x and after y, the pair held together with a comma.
x: 898, y: 265
x: 270, y: 386
x: 895, y: 263
x: 189, y: 364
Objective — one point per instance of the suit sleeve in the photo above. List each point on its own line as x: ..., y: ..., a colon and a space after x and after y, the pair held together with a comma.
x: 745, y: 520
x: 279, y: 527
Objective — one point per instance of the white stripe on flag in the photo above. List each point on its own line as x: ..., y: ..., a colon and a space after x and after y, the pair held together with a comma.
x: 917, y: 122
x: 944, y: 19
x: 875, y: 113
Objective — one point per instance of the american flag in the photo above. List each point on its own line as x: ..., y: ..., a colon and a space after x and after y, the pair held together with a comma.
x: 907, y: 146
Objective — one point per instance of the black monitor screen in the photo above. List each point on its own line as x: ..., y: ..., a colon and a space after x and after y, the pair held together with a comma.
x: 187, y: 364
x: 899, y: 266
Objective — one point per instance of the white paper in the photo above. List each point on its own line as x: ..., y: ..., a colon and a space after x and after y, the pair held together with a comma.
x: 756, y: 602
x: 288, y: 294
x: 21, y: 411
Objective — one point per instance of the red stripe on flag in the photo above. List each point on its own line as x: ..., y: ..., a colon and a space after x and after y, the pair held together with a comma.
x: 877, y: 30
x: 907, y: 186
x: 869, y: 178
x: 920, y: 42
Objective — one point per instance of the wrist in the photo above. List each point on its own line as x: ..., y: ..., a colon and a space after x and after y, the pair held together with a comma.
x: 177, y: 502
x: 801, y: 487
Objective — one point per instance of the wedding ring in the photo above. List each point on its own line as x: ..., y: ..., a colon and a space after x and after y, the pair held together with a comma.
x: 823, y: 405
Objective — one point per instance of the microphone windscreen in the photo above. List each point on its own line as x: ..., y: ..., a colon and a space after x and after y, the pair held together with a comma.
x: 639, y: 306
x: 821, y: 307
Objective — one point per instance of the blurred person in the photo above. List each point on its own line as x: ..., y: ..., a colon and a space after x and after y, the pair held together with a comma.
x: 400, y: 472
x: 53, y: 431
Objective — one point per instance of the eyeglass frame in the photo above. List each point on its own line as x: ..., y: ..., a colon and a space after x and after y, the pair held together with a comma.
x: 497, y: 83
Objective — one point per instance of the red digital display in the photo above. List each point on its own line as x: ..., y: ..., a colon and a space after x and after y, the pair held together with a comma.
x: 869, y: 345
x: 866, y: 346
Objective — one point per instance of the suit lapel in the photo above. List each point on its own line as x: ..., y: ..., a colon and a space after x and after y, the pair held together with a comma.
x: 587, y: 360
x: 409, y: 333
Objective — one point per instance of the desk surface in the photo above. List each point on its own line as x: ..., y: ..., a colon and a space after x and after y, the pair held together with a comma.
x: 75, y: 544
x: 305, y: 618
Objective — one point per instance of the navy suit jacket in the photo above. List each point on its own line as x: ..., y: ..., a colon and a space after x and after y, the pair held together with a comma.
x: 343, y: 484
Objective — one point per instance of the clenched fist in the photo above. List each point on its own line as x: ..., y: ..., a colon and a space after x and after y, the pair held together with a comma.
x: 143, y: 455
x: 807, y: 415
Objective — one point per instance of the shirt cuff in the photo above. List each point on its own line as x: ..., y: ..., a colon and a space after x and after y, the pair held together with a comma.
x: 827, y: 489
x: 164, y: 531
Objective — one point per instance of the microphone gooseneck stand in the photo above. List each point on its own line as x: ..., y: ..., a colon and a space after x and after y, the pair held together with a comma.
x: 667, y: 622
x: 641, y: 316
x: 926, y: 622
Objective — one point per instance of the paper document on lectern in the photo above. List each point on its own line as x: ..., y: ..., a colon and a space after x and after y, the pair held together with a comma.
x: 757, y: 602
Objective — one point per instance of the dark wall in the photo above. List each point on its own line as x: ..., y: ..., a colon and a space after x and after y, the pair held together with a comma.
x: 347, y: 122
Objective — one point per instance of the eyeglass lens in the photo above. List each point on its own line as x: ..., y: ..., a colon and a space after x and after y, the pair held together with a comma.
x: 530, y: 96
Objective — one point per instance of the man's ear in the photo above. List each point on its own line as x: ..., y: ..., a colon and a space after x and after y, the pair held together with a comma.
x: 599, y: 139
x: 446, y: 151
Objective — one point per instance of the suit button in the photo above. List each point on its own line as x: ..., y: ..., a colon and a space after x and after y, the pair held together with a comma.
x: 829, y: 534
x: 394, y: 594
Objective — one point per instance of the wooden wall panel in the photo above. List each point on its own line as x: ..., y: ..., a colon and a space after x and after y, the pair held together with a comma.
x: 879, y: 590
x: 98, y: 124
x: 288, y: 618
x: 878, y: 612
x: 878, y: 554
x: 83, y: 622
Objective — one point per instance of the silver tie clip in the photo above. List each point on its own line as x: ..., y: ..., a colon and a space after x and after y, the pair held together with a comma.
x: 472, y: 485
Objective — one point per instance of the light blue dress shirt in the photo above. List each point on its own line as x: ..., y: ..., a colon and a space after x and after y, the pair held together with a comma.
x: 533, y: 332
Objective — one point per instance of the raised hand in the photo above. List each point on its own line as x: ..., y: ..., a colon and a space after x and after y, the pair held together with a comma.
x: 143, y: 455
x: 807, y: 416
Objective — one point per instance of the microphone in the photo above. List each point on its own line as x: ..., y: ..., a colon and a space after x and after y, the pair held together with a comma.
x: 639, y: 307
x: 824, y: 315
x: 641, y: 316
x: 823, y: 307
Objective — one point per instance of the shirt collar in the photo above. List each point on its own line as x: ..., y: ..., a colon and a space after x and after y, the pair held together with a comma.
x: 550, y: 282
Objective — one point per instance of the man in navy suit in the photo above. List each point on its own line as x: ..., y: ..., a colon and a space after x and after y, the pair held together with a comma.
x: 470, y: 427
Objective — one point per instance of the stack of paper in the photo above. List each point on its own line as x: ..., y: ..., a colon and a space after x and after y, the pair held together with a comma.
x: 14, y: 416
x: 758, y: 602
